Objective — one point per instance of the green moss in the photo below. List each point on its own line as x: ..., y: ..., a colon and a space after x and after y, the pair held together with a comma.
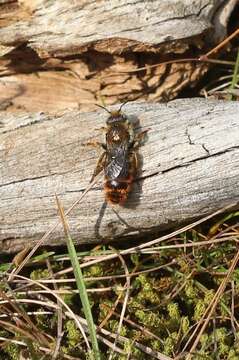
x: 129, y: 348
x: 202, y: 304
x: 190, y: 290
x: 233, y: 354
x: 201, y: 355
x: 185, y: 324
x: 152, y: 304
x: 221, y: 335
x: 105, y: 307
x: 73, y: 334
x: 113, y: 326
x: 43, y: 321
x: 93, y: 271
x: 13, y: 351
x: 205, y: 339
x: 148, y: 318
x: 199, y: 310
x: 170, y: 343
x: 173, y: 311
x: 69, y: 299
x: 184, y: 266
x: 135, y: 259
x: 148, y: 292
x: 39, y: 274
x: 208, y: 296
x: 156, y: 345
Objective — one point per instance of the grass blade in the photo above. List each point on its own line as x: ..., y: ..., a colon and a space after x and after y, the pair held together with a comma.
x: 235, y: 73
x: 80, y: 284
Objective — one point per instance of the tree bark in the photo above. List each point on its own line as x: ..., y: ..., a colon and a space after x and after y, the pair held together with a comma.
x: 189, y: 168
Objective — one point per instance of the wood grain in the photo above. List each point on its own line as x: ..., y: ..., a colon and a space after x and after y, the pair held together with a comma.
x: 92, y: 49
x: 190, y: 167
x: 108, y: 26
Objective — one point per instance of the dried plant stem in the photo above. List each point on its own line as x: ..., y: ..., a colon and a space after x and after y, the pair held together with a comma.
x: 137, y: 249
x: 221, y: 45
x: 127, y: 287
x: 210, y: 309
x: 52, y: 292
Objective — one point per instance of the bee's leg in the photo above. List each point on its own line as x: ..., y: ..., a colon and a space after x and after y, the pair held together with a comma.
x: 100, y: 166
x: 133, y: 160
x: 95, y: 144
x: 102, y: 129
x: 139, y: 139
x: 131, y: 131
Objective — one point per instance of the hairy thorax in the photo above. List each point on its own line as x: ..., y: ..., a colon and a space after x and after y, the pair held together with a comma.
x: 117, y: 134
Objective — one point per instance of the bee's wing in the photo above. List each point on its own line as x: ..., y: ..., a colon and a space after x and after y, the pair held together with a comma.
x: 117, y: 163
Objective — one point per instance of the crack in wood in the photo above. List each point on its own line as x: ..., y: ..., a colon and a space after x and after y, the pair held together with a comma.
x: 200, y: 158
x: 204, y: 148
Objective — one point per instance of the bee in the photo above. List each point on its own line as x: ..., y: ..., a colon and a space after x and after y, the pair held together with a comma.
x: 119, y: 159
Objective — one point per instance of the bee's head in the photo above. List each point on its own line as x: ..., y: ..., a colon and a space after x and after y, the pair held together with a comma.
x: 115, y: 116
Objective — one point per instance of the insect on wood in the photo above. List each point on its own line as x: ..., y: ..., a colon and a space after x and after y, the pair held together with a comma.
x: 119, y: 159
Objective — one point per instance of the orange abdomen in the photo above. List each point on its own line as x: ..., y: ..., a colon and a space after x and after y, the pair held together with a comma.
x: 117, y: 190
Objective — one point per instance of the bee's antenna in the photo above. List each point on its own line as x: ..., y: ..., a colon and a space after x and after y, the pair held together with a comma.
x: 124, y: 104
x: 102, y: 107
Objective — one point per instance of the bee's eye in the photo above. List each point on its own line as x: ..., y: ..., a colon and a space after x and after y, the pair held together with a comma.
x: 121, y: 117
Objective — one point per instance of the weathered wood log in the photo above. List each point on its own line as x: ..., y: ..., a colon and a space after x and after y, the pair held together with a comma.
x: 87, y: 24
x: 88, y: 50
x: 190, y: 167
